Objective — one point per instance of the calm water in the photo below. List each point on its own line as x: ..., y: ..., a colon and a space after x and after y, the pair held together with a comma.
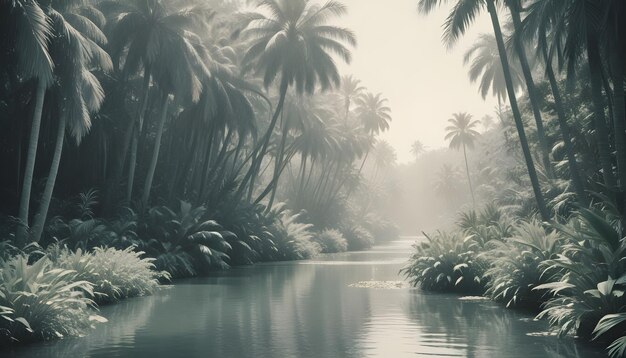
x: 307, y: 309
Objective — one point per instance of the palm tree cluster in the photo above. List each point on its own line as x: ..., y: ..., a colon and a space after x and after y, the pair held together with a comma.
x: 576, y: 45
x: 175, y: 100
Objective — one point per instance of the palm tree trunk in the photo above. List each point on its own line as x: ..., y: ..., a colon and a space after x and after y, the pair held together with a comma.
x: 155, y: 153
x: 532, y: 173
x: 137, y: 128
x: 40, y: 218
x: 262, y: 147
x: 565, y: 132
x: 532, y: 90
x: 469, y: 178
x: 619, y: 114
x: 278, y: 164
x: 22, y: 231
x: 602, y: 133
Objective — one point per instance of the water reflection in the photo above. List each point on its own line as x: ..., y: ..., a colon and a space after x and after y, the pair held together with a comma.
x: 307, y: 309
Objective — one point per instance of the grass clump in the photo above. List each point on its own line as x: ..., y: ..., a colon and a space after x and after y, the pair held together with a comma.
x: 331, y: 241
x: 293, y: 238
x: 115, y: 274
x: 358, y: 237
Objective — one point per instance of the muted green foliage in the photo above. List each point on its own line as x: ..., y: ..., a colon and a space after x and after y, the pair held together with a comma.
x: 294, y: 239
x: 444, y: 263
x: 331, y: 240
x: 114, y: 274
x: 516, y: 270
x: 358, y: 237
x: 40, y: 301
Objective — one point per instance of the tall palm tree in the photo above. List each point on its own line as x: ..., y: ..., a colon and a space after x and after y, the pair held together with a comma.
x: 515, y: 7
x: 460, y: 18
x: 178, y: 72
x: 142, y: 33
x: 33, y: 31
x: 291, y: 40
x: 539, y: 22
x: 462, y: 134
x: 350, y: 90
x: 76, y: 50
x: 417, y: 148
x: 581, y: 23
x: 374, y: 114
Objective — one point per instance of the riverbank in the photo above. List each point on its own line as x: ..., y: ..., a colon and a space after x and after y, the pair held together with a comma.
x: 308, y: 309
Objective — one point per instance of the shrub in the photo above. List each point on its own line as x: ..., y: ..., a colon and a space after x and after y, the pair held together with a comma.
x: 331, y: 241
x: 444, y: 263
x: 294, y: 240
x: 39, y: 301
x: 186, y: 243
x: 358, y: 238
x: 588, y: 279
x: 115, y: 274
x: 515, y: 269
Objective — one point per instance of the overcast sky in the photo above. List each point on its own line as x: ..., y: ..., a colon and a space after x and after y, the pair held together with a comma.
x: 400, y: 53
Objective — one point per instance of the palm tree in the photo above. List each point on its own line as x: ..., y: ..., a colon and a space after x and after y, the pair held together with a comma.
x: 417, y: 148
x: 142, y: 33
x: 33, y: 31
x: 487, y: 66
x: 293, y: 42
x: 462, y: 15
x: 520, y: 51
x: 76, y: 50
x: 462, y: 133
x: 581, y: 23
x: 539, y: 21
x: 374, y: 114
x: 177, y: 72
x: 350, y: 90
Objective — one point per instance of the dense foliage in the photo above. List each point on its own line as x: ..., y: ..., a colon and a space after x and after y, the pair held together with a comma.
x: 149, y: 140
x: 552, y: 169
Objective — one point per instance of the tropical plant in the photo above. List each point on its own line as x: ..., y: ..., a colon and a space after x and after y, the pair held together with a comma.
x: 458, y: 21
x: 331, y: 240
x: 186, y: 243
x: 293, y: 41
x: 114, y: 274
x: 443, y: 263
x: 516, y: 266
x: 38, y: 301
x: 294, y: 239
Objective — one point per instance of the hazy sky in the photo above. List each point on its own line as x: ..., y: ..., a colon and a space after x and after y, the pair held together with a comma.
x: 400, y: 53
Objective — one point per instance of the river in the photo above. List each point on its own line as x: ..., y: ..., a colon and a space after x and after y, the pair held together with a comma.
x: 311, y: 309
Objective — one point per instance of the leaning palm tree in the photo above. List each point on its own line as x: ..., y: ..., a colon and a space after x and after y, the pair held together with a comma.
x: 142, y: 33
x: 460, y: 18
x: 417, y: 148
x: 539, y: 23
x: 32, y: 29
x: 462, y: 133
x: 291, y: 40
x: 76, y: 51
